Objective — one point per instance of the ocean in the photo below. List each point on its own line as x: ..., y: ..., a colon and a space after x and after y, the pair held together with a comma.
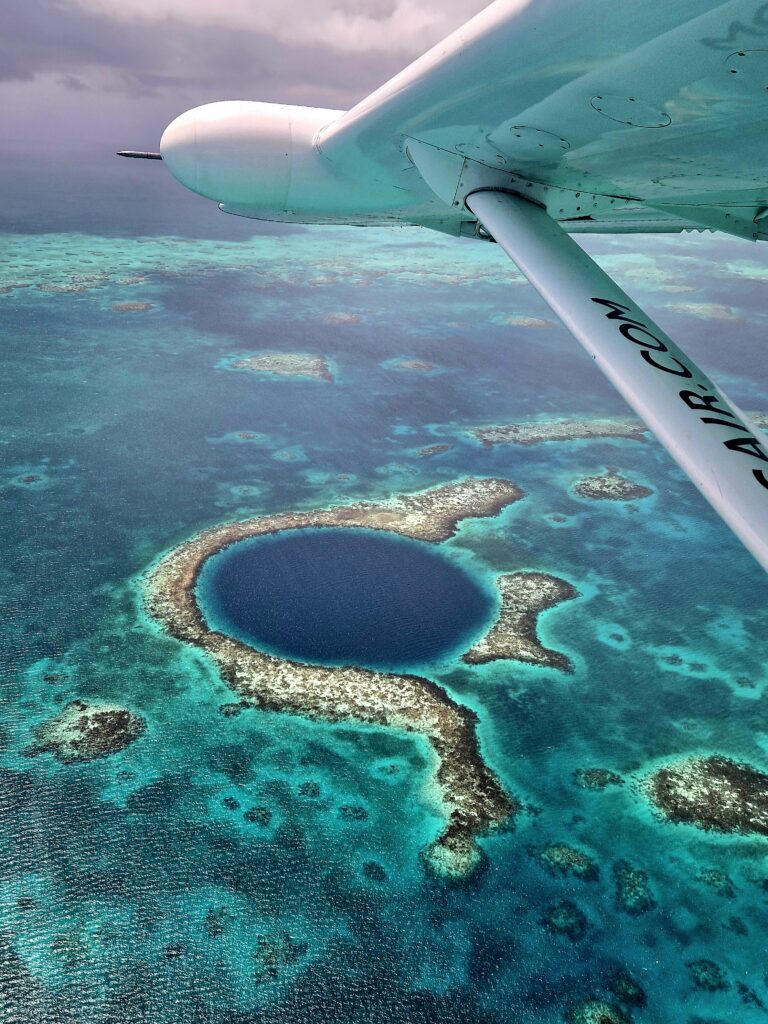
x: 211, y: 869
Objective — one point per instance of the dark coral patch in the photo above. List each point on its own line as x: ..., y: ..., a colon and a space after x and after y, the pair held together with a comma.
x: 561, y: 859
x: 719, y: 881
x: 596, y: 778
x: 595, y: 1011
x: 713, y: 793
x: 310, y: 790
x: 565, y: 918
x: 258, y: 816
x: 353, y: 812
x: 275, y: 952
x: 706, y: 974
x: 626, y: 989
x: 633, y: 891
x: 374, y: 872
x: 84, y: 732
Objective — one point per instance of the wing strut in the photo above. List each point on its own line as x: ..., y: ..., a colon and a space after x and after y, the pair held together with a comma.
x: 710, y: 438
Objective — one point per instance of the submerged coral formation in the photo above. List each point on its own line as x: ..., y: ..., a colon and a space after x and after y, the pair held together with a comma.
x: 596, y: 778
x: 562, y: 859
x: 523, y: 596
x: 714, y: 793
x: 274, y: 953
x: 284, y: 364
x: 611, y: 486
x: 565, y: 918
x: 708, y: 975
x: 474, y: 799
x: 83, y: 732
x: 419, y: 365
x: 595, y: 1011
x: 626, y: 989
x: 131, y: 307
x: 719, y: 881
x: 633, y: 891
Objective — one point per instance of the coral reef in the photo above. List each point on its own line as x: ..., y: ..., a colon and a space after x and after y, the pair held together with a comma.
x: 596, y: 778
x: 748, y: 996
x: 273, y: 953
x: 719, y: 881
x: 595, y: 1011
x: 284, y: 364
x: 708, y: 975
x: 131, y: 307
x: 562, y: 859
x: 565, y: 918
x: 84, y: 732
x: 258, y: 816
x: 610, y: 485
x: 419, y: 365
x: 473, y: 798
x: 714, y: 793
x: 582, y: 428
x: 626, y: 989
x: 524, y: 595
x: 353, y: 812
x: 633, y: 892
x: 311, y: 790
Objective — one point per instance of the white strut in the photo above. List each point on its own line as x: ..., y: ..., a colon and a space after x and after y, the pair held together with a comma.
x: 709, y: 437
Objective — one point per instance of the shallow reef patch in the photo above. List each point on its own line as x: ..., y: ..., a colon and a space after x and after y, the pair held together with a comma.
x: 610, y: 486
x: 84, y: 732
x: 713, y: 793
x: 562, y: 859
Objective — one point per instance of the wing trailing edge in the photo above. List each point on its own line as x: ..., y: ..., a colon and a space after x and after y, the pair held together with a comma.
x: 708, y: 436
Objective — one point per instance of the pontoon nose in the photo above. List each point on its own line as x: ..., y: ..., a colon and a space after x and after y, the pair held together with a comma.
x: 178, y: 147
x: 235, y: 152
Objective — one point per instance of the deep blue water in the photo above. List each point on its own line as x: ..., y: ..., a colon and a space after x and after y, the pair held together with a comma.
x: 344, y: 597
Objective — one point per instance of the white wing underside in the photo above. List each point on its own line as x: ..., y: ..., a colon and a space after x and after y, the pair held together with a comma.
x: 616, y: 116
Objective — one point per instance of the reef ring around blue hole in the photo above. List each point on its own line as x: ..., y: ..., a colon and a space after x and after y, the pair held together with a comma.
x: 344, y: 596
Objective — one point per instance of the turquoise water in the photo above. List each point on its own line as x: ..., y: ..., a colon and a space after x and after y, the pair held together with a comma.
x: 345, y: 597
x: 264, y: 868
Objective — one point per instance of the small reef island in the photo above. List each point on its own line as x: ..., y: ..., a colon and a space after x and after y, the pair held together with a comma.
x: 539, y: 431
x: 473, y: 798
x: 84, y: 732
x: 610, y: 486
x: 301, y: 365
x: 573, y: 428
x: 713, y: 793
x: 514, y: 635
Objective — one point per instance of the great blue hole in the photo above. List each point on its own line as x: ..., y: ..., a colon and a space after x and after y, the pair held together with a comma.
x: 345, y: 596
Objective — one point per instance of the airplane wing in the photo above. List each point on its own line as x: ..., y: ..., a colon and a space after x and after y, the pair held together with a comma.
x: 545, y: 111
x: 659, y: 106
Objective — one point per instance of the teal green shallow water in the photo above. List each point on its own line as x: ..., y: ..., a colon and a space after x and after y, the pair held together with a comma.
x: 138, y: 887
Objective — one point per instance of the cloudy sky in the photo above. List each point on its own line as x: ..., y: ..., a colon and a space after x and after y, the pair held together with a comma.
x: 89, y: 75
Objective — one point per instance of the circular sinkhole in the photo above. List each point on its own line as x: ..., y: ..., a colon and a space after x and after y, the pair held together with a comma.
x: 345, y: 596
